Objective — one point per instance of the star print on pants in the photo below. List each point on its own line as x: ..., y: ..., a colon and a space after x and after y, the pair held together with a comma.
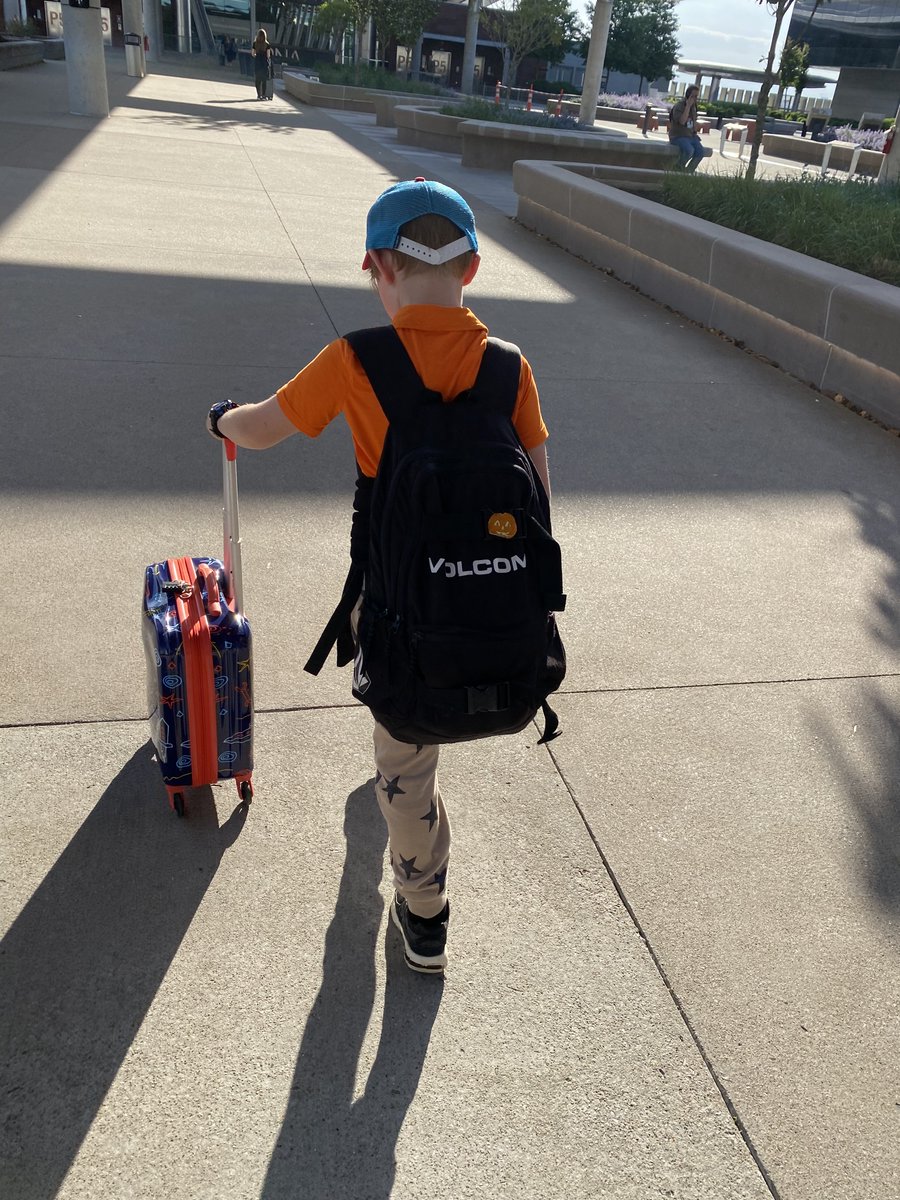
x: 431, y: 816
x: 440, y: 878
x: 408, y: 866
x: 390, y: 786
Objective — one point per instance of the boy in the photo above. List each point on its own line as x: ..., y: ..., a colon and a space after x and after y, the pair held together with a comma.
x: 421, y: 252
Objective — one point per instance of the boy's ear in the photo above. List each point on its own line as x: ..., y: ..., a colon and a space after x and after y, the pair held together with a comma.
x: 472, y: 270
x: 384, y: 261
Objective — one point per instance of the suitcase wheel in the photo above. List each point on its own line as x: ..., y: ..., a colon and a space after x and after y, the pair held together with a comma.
x: 245, y: 787
x: 178, y: 803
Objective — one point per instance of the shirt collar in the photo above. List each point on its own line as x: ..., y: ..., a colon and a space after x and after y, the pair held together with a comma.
x: 435, y: 316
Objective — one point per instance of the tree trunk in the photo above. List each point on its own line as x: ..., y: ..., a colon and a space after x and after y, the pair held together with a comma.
x: 593, y: 71
x: 467, y: 79
x: 763, y: 102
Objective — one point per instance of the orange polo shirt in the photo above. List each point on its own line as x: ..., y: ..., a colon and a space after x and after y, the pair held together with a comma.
x: 445, y: 345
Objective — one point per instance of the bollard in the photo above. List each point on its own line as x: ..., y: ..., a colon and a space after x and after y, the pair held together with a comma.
x: 497, y: 93
x: 648, y: 112
x: 559, y: 102
x: 530, y: 97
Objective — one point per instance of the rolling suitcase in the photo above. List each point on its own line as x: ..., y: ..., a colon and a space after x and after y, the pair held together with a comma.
x: 270, y: 85
x: 199, y: 662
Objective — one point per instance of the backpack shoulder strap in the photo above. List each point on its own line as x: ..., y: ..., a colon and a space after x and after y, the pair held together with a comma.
x: 497, y: 382
x: 394, y: 379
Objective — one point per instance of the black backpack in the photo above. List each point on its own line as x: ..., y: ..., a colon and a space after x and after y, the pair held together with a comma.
x: 456, y: 637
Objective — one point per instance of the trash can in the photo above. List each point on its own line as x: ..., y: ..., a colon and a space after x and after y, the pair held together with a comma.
x: 135, y: 63
x: 816, y: 127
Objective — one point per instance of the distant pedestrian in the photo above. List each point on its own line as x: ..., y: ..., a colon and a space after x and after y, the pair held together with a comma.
x: 230, y: 50
x: 683, y: 131
x: 222, y: 50
x: 262, y: 64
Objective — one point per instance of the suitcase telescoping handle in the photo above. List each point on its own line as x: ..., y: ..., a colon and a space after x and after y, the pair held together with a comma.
x: 231, y: 524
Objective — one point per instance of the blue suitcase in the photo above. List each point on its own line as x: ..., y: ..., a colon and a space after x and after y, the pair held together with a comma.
x: 199, y: 663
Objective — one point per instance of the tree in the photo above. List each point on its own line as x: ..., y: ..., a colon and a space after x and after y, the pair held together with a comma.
x: 779, y: 10
x: 531, y: 26
x: 402, y: 20
x: 793, y: 68
x: 332, y: 20
x: 643, y: 38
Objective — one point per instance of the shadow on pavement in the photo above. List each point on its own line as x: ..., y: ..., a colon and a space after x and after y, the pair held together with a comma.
x: 331, y: 1144
x: 123, y: 404
x: 84, y: 960
x: 867, y: 760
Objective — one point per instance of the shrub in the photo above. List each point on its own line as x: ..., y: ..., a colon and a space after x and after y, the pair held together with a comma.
x: 630, y: 100
x: 552, y: 87
x: 852, y: 224
x: 869, y: 139
x: 15, y: 28
x: 377, y: 79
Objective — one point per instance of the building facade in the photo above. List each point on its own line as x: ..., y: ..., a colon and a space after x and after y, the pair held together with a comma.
x: 862, y: 39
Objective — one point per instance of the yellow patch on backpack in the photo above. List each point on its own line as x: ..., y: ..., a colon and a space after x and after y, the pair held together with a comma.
x: 502, y: 525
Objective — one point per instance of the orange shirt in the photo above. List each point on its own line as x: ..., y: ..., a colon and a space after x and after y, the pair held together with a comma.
x: 445, y: 345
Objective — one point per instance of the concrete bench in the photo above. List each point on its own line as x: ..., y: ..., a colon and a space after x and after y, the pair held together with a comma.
x: 827, y: 326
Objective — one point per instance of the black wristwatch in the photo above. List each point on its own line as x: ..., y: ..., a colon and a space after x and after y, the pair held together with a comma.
x: 217, y: 412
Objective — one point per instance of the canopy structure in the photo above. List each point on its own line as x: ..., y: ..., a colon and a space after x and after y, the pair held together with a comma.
x: 716, y: 72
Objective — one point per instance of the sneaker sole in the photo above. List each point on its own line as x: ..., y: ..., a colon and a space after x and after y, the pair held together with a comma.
x: 418, y: 962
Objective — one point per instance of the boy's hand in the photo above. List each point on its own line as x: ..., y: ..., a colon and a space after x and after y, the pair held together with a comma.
x: 216, y: 414
x: 252, y: 426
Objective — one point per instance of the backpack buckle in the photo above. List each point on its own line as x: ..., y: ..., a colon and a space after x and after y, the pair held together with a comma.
x: 492, y: 697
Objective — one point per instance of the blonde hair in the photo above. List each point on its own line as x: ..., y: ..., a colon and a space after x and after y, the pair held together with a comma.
x: 260, y: 39
x: 432, y: 231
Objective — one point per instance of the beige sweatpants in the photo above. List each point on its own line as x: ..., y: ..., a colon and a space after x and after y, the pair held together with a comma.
x: 406, y: 786
x: 409, y: 796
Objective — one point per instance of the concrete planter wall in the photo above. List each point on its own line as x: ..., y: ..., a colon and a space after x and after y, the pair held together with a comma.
x: 427, y: 129
x: 386, y: 103
x: 349, y: 99
x: 572, y: 108
x: 22, y: 52
x: 805, y: 150
x: 827, y: 326
x: 492, y: 145
x: 495, y: 146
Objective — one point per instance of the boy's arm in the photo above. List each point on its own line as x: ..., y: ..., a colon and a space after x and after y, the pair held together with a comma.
x: 256, y: 426
x: 539, y: 457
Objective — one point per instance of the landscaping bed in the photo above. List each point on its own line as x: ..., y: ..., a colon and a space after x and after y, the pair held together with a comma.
x: 849, y: 224
x: 825, y: 324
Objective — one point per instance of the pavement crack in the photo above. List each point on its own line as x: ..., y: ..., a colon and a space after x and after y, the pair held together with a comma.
x: 667, y: 982
x: 726, y: 683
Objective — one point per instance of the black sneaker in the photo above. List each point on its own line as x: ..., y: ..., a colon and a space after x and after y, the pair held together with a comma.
x: 424, y: 938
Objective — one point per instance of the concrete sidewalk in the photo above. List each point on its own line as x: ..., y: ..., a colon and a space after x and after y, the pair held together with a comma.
x: 675, y: 934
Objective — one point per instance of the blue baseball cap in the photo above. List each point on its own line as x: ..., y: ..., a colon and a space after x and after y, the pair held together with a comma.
x: 415, y: 198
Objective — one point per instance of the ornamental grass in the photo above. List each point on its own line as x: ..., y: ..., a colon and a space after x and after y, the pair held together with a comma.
x: 853, y: 224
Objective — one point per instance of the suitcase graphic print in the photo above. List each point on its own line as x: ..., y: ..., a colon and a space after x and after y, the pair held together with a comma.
x: 198, y: 649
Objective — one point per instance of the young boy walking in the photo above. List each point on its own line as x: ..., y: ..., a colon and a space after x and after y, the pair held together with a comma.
x: 421, y: 252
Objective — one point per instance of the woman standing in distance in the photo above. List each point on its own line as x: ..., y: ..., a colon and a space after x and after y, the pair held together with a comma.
x: 262, y: 56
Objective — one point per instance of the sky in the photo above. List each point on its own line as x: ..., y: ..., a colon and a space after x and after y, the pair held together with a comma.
x: 733, y: 32
x: 736, y: 32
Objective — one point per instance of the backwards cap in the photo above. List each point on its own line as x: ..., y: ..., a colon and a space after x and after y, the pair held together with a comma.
x: 415, y: 198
